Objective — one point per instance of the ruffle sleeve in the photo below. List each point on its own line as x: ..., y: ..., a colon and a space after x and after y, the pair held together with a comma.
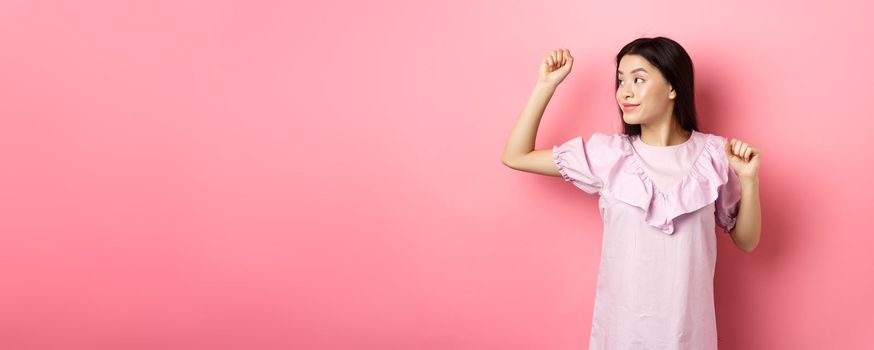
x: 582, y: 163
x: 728, y: 202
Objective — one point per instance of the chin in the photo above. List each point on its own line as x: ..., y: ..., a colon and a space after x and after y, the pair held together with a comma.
x: 630, y: 120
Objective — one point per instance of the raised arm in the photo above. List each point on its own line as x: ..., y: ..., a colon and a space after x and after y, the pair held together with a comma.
x: 746, y: 159
x: 519, y: 153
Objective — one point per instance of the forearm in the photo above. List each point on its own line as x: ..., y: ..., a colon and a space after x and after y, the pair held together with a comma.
x: 524, y: 133
x: 748, y: 227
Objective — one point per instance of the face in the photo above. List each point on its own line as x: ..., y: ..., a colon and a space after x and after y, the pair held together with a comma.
x: 641, y: 84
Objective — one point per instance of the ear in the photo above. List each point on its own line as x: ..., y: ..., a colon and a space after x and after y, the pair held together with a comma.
x: 673, y: 93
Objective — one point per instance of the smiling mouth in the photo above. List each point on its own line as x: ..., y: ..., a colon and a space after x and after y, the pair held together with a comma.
x: 629, y: 107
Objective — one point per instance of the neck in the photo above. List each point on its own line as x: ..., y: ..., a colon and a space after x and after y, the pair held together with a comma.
x: 664, y: 134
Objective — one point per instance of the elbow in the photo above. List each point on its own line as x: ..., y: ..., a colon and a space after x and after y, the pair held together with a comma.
x: 747, y: 246
x: 507, y: 162
x: 752, y: 246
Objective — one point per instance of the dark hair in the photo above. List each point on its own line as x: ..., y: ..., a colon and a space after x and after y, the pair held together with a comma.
x: 675, y: 65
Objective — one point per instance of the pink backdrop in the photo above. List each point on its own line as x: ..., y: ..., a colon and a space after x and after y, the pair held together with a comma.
x: 326, y: 175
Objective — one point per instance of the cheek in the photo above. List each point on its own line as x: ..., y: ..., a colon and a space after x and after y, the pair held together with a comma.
x: 642, y: 92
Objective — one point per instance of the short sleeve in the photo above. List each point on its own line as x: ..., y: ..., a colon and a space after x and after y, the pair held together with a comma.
x: 728, y: 202
x: 575, y: 165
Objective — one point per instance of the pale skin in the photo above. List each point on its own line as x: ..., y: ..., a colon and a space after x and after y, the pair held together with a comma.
x: 655, y: 97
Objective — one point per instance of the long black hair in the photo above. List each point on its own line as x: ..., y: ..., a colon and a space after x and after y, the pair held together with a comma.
x: 675, y: 65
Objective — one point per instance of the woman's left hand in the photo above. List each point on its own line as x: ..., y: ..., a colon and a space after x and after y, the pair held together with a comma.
x: 744, y: 158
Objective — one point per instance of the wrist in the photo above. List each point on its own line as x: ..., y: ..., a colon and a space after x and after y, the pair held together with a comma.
x: 749, y: 180
x: 544, y: 85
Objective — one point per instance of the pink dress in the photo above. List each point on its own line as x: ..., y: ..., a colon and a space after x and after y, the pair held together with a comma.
x: 659, y: 206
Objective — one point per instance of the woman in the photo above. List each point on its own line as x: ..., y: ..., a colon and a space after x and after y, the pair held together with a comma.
x: 663, y: 187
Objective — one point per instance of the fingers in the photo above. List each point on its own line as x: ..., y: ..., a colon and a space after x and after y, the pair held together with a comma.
x: 559, y: 57
x: 753, y: 151
x: 735, y: 147
x: 741, y: 149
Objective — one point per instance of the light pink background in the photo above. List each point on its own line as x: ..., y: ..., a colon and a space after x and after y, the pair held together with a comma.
x: 327, y: 175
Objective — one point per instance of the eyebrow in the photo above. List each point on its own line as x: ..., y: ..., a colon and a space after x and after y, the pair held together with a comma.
x: 635, y: 70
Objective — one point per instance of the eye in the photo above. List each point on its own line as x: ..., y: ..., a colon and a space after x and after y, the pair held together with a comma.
x: 635, y: 79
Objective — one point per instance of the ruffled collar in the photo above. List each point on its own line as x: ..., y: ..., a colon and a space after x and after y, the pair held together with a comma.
x: 697, y: 189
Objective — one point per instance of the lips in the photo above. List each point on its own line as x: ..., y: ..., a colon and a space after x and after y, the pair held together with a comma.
x: 629, y: 107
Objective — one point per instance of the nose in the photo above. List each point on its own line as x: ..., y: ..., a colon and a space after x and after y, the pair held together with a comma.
x: 625, y: 91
